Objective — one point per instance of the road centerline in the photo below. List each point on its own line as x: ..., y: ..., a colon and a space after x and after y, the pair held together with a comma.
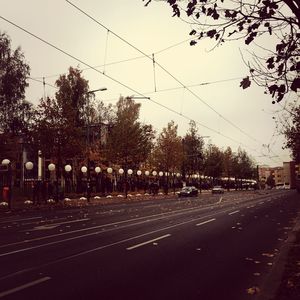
x: 205, y: 222
x: 148, y: 242
x: 233, y: 212
x: 24, y: 286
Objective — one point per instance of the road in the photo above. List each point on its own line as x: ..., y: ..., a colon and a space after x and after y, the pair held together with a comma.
x: 210, y: 247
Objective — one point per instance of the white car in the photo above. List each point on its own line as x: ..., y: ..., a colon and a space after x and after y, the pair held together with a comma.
x: 217, y: 190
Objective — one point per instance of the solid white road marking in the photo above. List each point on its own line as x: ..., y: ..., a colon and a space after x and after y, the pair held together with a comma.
x: 53, y: 225
x: 148, y: 242
x: 233, y: 212
x: 208, y: 221
x: 18, y: 220
x: 24, y: 286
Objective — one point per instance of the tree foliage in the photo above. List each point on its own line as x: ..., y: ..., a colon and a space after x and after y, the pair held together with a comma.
x: 54, y: 133
x: 292, y: 134
x: 270, y: 181
x: 213, y: 161
x: 243, y: 165
x: 228, y: 162
x: 168, y: 151
x: 225, y: 20
x: 72, y: 96
x: 15, y: 112
x: 129, y: 142
x: 59, y: 127
x: 193, y: 150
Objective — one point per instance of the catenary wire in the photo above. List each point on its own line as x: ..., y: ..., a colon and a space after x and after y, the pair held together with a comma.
x: 165, y: 70
x: 124, y: 85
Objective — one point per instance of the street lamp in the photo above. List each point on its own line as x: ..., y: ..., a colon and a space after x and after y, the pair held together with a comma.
x: 68, y: 169
x: 51, y: 168
x: 84, y: 170
x: 6, y: 162
x: 97, y: 170
x: 88, y: 136
x: 138, y: 173
x: 29, y: 167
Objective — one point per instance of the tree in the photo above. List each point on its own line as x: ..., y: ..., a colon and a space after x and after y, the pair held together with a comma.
x: 129, y: 142
x: 15, y: 111
x: 168, y: 152
x: 54, y: 133
x: 213, y: 161
x: 243, y: 166
x: 193, y: 150
x: 292, y: 134
x: 228, y: 163
x: 59, y: 127
x: 225, y: 20
x: 72, y: 96
x: 270, y: 181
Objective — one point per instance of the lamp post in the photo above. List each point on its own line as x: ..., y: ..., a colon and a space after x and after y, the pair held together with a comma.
x: 161, y: 181
x: 97, y: 170
x: 138, y: 173
x: 68, y: 169
x: 109, y: 171
x: 129, y: 172
x: 88, y: 135
x: 29, y: 167
x: 84, y: 170
x: 51, y: 168
x: 121, y: 172
x: 147, y: 173
x: 6, y: 162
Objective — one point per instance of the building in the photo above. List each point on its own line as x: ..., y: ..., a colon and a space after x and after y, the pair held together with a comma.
x: 284, y: 176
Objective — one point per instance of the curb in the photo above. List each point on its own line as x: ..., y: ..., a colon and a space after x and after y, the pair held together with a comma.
x: 272, y: 282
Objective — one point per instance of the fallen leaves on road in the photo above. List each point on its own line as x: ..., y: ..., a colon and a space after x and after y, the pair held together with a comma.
x: 268, y: 254
x: 290, y: 283
x: 249, y: 258
x: 253, y: 290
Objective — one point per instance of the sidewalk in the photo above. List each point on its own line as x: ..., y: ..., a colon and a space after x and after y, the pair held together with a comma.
x: 283, y: 282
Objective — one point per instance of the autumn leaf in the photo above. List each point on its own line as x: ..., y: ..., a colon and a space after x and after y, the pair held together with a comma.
x: 245, y: 83
x: 253, y: 290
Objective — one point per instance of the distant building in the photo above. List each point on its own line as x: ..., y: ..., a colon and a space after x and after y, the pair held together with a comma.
x: 285, y: 175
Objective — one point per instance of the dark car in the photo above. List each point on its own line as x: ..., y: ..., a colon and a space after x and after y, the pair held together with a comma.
x: 188, y: 191
x: 217, y: 190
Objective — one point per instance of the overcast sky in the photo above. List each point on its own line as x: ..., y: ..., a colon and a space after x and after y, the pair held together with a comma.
x: 151, y: 30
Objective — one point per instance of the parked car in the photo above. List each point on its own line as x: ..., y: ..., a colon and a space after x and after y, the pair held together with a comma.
x: 188, y: 191
x: 217, y: 190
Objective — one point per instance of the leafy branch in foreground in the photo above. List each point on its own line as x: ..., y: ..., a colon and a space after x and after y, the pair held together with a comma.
x: 225, y: 20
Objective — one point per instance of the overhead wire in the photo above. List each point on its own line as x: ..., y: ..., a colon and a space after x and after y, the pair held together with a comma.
x: 123, y: 60
x: 122, y: 84
x: 165, y: 70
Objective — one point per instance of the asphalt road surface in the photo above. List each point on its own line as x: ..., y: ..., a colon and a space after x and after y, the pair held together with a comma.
x: 210, y: 247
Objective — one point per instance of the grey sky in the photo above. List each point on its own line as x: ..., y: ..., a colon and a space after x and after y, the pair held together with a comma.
x: 150, y: 29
